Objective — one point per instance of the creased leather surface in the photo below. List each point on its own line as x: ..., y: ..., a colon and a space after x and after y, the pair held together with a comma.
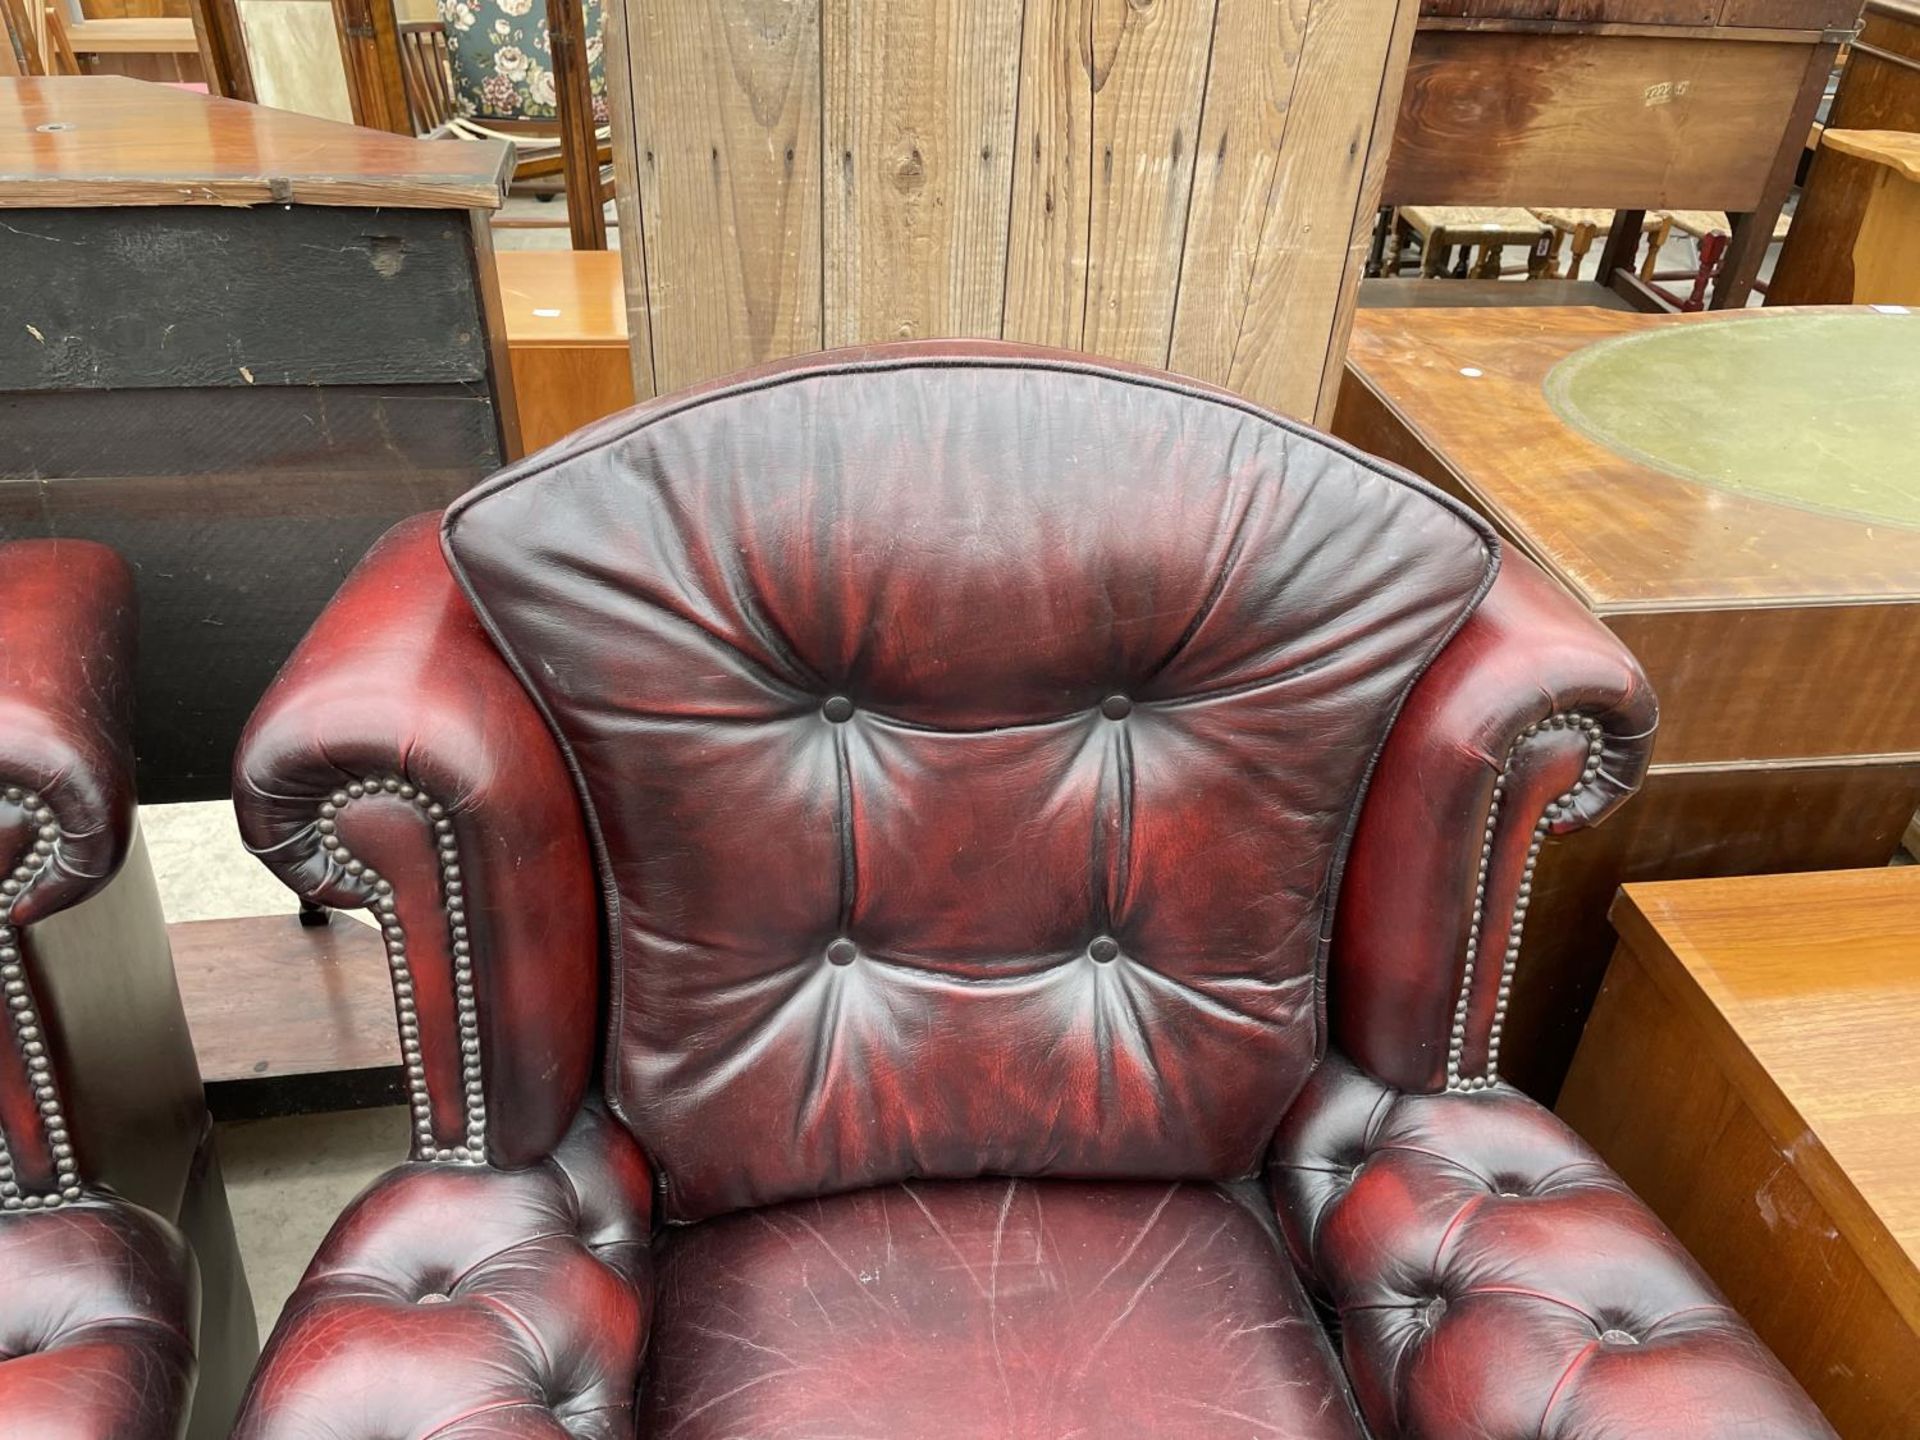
x: 98, y: 1306
x: 989, y: 1310
x: 463, y: 1302
x: 1039, y: 694
x: 1496, y: 1281
x: 66, y: 666
x: 1529, y: 652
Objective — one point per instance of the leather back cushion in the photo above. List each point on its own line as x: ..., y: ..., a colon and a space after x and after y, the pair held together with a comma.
x: 972, y: 740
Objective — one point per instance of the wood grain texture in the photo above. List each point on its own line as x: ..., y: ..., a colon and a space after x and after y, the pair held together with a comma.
x: 1051, y: 219
x: 1148, y: 67
x: 268, y: 999
x: 125, y: 142
x: 1775, y: 1015
x: 618, y: 63
x: 1154, y: 180
x: 566, y: 331
x: 1619, y: 535
x: 175, y: 296
x: 1271, y: 264
x: 726, y: 114
x: 1621, y: 121
x: 1876, y: 92
x: 1687, y: 822
x: 918, y: 176
x: 1780, y: 681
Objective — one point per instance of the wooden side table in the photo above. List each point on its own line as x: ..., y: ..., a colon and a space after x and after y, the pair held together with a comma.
x: 1750, y: 1071
x: 566, y: 317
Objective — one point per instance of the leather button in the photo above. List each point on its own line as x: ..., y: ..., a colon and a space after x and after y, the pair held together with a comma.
x: 838, y: 709
x: 843, y: 951
x: 1116, y: 707
x: 1104, y: 950
x: 1617, y: 1337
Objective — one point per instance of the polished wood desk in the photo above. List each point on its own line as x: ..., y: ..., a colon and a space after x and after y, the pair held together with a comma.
x: 236, y: 344
x: 566, y: 320
x: 1750, y: 1072
x: 1629, y: 105
x: 1782, y: 635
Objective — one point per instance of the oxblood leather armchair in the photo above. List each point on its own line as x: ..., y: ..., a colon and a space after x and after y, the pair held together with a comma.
x: 109, y: 1183
x: 1030, y: 804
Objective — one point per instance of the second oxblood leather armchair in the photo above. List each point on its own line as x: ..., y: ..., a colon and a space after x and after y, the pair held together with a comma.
x: 1042, y: 847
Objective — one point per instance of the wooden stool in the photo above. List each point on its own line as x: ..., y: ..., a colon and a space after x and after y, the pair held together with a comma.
x: 1489, y: 227
x: 1581, y: 226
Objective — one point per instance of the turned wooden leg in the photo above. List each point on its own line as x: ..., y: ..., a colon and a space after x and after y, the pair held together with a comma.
x: 1656, y: 240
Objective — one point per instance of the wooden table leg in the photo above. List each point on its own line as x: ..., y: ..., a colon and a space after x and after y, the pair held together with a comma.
x: 1753, y: 232
x: 1623, y: 243
x: 1656, y: 241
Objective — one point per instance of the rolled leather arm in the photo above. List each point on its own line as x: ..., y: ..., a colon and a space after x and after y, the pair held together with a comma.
x: 66, y: 815
x: 396, y: 763
x: 1533, y: 721
x: 471, y: 1303
x: 66, y: 747
x: 98, y: 1311
x: 1493, y: 1278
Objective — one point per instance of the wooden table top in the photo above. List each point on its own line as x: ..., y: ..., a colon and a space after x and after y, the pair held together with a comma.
x: 1807, y: 989
x: 110, y: 140
x: 1470, y: 385
x: 563, y: 297
x: 1895, y: 149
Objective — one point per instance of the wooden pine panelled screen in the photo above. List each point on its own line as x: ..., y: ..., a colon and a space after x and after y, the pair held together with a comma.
x: 1182, y: 183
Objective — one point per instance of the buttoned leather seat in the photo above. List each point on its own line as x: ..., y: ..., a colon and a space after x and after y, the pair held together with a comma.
x: 958, y: 891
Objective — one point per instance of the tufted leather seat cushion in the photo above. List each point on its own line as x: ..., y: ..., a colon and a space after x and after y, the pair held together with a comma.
x: 98, y: 1310
x: 1494, y: 1279
x: 972, y: 742
x: 464, y: 1302
x: 1018, y: 1310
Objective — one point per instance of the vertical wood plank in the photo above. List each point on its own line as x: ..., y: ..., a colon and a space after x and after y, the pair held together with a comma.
x: 1378, y: 149
x: 1052, y: 189
x: 1148, y: 63
x: 726, y: 114
x: 621, y: 78
x: 1256, y: 65
x: 1308, y: 242
x: 919, y: 114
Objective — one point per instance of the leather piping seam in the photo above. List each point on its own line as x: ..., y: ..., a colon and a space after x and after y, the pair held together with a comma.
x: 28, y: 1031
x: 1523, y: 897
x: 393, y: 936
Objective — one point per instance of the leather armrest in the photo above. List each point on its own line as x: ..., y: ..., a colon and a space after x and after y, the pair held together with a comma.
x: 99, y: 1303
x: 396, y: 763
x: 462, y: 1301
x: 1534, y: 721
x: 1493, y: 1277
x: 66, y: 748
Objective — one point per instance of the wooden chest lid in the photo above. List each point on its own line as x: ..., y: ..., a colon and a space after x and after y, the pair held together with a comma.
x: 109, y: 140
